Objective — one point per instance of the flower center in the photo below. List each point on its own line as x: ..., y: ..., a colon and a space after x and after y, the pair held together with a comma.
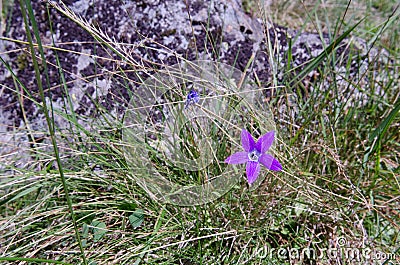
x: 254, y: 155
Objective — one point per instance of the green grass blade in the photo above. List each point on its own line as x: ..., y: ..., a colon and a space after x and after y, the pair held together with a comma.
x: 50, y: 121
x: 33, y: 260
x: 324, y: 54
x: 382, y: 128
x: 376, y: 136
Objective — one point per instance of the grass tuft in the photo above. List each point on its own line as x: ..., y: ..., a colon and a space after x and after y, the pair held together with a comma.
x: 81, y: 196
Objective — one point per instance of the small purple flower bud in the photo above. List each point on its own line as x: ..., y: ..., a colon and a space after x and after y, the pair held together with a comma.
x: 192, y: 98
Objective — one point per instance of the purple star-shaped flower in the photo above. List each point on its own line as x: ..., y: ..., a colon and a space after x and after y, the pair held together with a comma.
x: 254, y: 154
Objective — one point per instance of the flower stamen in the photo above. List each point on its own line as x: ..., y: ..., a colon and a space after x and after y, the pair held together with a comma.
x: 254, y: 155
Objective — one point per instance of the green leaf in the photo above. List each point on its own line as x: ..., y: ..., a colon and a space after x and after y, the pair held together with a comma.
x: 127, y: 206
x: 85, y: 233
x: 98, y: 230
x: 136, y: 218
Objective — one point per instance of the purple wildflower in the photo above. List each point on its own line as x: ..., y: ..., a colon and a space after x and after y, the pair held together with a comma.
x: 192, y: 97
x: 254, y: 154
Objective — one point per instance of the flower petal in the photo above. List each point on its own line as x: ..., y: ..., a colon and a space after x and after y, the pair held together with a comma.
x: 270, y: 162
x: 276, y: 166
x: 247, y: 141
x: 252, y: 171
x: 237, y: 158
x: 265, y: 142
